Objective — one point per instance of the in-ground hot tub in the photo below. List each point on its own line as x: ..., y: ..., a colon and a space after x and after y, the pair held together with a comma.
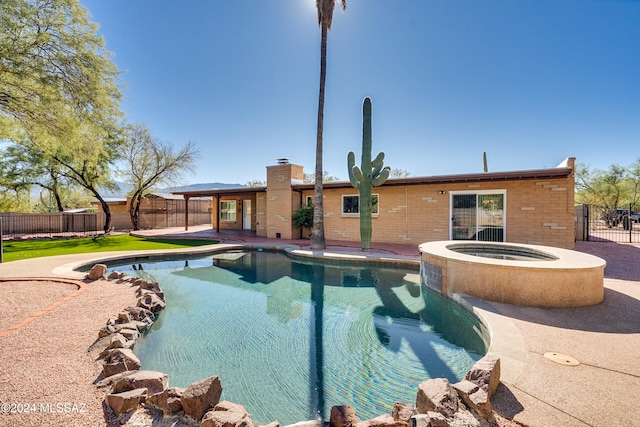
x: 511, y: 273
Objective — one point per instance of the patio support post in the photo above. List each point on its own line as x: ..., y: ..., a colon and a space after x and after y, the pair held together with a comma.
x: 218, y: 213
x: 186, y: 213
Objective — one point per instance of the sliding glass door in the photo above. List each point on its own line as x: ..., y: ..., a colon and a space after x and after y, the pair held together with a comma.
x: 478, y: 216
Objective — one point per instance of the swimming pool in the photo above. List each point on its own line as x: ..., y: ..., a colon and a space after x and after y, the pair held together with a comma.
x: 291, y: 338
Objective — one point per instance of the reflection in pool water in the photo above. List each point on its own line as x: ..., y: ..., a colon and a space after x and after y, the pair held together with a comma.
x: 289, y: 339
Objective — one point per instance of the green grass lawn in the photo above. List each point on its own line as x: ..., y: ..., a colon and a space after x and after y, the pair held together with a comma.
x: 23, y: 249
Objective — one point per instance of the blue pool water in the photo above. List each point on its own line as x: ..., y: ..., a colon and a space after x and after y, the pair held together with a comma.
x: 289, y: 339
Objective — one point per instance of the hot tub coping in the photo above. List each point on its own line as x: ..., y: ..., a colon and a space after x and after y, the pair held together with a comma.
x: 565, y: 259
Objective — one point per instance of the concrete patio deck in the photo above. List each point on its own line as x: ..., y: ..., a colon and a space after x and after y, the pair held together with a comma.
x: 536, y: 391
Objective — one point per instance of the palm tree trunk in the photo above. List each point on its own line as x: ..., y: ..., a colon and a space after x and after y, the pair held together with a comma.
x: 317, y: 234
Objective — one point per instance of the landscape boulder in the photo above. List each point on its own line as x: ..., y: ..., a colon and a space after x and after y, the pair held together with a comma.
x: 153, y: 381
x: 437, y: 395
x: 143, y: 292
x: 225, y: 419
x: 200, y: 396
x: 124, y: 317
x: 132, y: 324
x: 174, y: 405
x: 385, y: 420
x: 429, y: 419
x: 486, y: 373
x: 475, y: 397
x: 343, y: 416
x: 130, y: 334
x: 116, y: 275
x: 119, y: 360
x: 119, y: 341
x: 107, y: 330
x: 228, y: 406
x: 149, y: 285
x: 126, y: 401
x: 227, y: 414
x: 151, y: 302
x: 402, y: 412
x: 159, y: 400
x: 97, y: 272
x: 141, y: 314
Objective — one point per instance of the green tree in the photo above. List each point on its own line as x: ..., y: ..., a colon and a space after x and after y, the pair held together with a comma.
x: 399, y: 173
x: 59, y: 91
x: 53, y: 63
x: 82, y: 153
x: 86, y: 154
x: 149, y: 163
x: 325, y: 16
x: 326, y: 177
x: 610, y: 189
x: 303, y: 218
x: 24, y: 165
x: 14, y: 199
x: 256, y: 183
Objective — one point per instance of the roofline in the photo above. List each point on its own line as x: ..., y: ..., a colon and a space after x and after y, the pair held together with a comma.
x: 452, y: 179
x: 559, y: 172
x: 221, y: 191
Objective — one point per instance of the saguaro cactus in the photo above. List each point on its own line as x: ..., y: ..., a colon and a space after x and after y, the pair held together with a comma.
x: 370, y: 174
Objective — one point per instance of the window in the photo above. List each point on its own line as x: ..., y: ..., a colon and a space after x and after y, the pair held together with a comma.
x: 351, y: 205
x: 228, y: 211
x: 308, y: 200
x: 478, y: 216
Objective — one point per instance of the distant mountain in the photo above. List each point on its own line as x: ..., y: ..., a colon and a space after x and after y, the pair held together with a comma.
x: 125, y: 188
x: 199, y: 187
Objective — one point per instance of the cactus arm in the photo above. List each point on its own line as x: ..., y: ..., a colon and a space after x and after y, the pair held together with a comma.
x: 376, y: 164
x: 382, y: 177
x: 358, y: 176
x: 378, y: 161
x: 351, y: 163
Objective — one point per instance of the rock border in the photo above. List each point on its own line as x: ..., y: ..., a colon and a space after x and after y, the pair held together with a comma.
x: 128, y: 388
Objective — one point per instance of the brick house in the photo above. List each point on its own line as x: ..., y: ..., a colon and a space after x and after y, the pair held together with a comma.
x: 530, y: 206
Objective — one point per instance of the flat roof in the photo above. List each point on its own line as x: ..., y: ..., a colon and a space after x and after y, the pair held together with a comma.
x: 558, y: 172
x: 221, y: 191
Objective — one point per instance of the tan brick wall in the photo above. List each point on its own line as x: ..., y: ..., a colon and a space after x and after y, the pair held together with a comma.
x: 261, y: 214
x: 282, y: 201
x: 237, y: 224
x: 537, y: 212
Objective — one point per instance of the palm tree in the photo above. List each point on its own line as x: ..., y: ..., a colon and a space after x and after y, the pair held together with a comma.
x: 325, y: 16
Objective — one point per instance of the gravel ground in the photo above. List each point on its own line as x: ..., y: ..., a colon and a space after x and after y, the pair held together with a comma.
x: 46, y: 372
x: 20, y: 298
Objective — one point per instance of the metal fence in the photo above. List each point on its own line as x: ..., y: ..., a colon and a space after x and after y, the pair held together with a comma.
x: 602, y: 224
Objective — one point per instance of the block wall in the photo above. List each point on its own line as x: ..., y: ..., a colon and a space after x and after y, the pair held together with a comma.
x: 237, y: 224
x: 261, y: 214
x: 537, y: 212
x: 282, y: 201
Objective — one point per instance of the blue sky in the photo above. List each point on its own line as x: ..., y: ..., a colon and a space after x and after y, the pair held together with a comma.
x: 530, y: 82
